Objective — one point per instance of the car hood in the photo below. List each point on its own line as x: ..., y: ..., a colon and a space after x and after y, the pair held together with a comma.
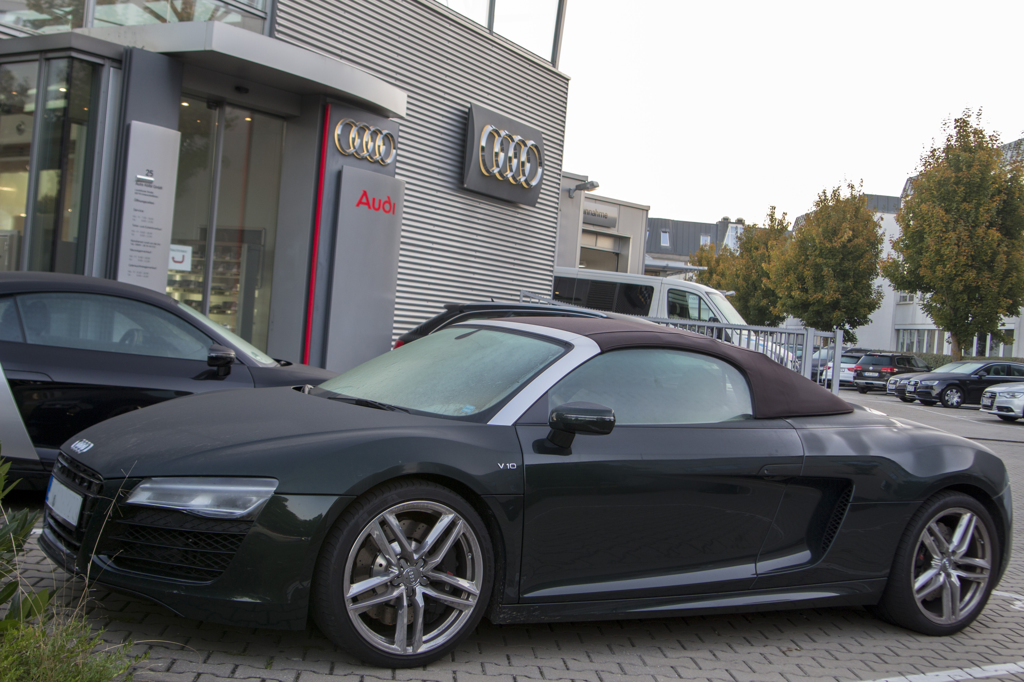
x: 944, y: 376
x: 308, y: 443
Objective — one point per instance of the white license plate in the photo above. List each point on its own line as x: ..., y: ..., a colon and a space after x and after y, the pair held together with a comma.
x: 63, y: 501
x: 987, y: 402
x: 871, y: 374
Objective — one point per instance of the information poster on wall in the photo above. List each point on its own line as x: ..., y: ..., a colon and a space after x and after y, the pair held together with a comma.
x: 147, y: 217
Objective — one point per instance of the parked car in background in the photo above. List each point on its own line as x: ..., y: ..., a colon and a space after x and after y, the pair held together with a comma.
x: 620, y: 469
x: 847, y: 361
x: 897, y: 385
x: 823, y: 356
x: 1005, y: 401
x: 963, y: 383
x: 874, y: 369
x: 482, y: 310
x: 78, y: 350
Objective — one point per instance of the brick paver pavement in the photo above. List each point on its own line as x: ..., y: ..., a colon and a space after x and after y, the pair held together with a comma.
x: 830, y: 645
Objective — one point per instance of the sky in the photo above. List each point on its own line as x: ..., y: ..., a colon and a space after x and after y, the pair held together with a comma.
x: 702, y: 110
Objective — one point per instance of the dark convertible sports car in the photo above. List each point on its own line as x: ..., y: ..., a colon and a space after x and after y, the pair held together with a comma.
x: 530, y: 470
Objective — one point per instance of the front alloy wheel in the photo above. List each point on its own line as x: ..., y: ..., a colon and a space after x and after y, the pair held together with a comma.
x: 944, y: 568
x: 415, y: 579
x: 952, y: 565
x: 953, y: 397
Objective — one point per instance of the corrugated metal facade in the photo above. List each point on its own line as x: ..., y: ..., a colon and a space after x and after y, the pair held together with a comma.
x: 456, y: 245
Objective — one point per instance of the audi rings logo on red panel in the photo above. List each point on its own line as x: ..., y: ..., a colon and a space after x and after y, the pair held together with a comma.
x: 506, y: 156
x: 364, y: 141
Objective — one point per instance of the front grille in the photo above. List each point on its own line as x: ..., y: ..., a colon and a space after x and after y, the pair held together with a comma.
x: 988, y: 394
x: 86, y: 483
x: 834, y: 523
x: 172, y: 544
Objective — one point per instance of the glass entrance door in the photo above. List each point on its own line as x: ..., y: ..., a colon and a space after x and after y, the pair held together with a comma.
x: 229, y: 176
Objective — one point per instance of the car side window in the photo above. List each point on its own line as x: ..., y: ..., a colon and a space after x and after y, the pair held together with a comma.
x: 683, y: 305
x: 657, y: 386
x: 1017, y: 370
x: 109, y: 323
x: 10, y: 325
x: 996, y: 370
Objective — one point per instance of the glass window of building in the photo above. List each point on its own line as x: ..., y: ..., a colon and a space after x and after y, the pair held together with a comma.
x: 17, y: 118
x: 50, y: 16
x: 45, y: 184
x: 136, y: 12
x: 532, y: 24
x: 229, y: 176
x: 664, y: 238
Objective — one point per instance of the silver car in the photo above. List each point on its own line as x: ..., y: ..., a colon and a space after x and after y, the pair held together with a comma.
x: 1005, y: 401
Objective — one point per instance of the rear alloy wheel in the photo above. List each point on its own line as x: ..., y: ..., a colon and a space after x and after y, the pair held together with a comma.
x: 953, y: 396
x: 944, y: 567
x: 404, y: 576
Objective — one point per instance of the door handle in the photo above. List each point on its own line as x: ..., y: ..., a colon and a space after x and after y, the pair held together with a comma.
x: 780, y: 470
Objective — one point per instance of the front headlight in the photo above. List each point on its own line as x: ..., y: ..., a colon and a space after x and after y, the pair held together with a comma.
x: 217, y: 498
x: 1010, y: 394
x: 928, y: 383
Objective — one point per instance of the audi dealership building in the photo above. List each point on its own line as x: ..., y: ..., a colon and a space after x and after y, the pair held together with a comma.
x: 314, y: 175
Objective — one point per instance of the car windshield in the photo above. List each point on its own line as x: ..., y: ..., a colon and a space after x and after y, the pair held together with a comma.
x: 458, y: 371
x: 731, y: 315
x: 948, y: 367
x: 850, y: 359
x: 964, y: 368
x: 254, y: 353
x: 873, y: 360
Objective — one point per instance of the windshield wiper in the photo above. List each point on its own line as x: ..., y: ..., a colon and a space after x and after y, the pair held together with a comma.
x: 366, y: 402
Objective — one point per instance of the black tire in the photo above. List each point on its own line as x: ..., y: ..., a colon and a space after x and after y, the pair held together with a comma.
x: 910, y: 400
x: 928, y: 403
x: 861, y: 389
x: 442, y: 601
x: 952, y: 396
x: 924, y: 549
x: 1006, y: 418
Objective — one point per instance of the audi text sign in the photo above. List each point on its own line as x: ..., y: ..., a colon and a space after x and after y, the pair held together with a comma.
x: 504, y: 158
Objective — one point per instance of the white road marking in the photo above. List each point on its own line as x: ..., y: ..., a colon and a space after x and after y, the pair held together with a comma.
x: 960, y: 674
x: 1017, y: 605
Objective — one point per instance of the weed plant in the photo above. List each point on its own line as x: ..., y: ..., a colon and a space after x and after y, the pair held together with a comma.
x: 41, y: 641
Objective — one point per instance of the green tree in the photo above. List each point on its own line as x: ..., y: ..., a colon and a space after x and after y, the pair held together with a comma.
x: 825, y: 273
x: 961, y: 243
x: 755, y: 299
x: 720, y: 273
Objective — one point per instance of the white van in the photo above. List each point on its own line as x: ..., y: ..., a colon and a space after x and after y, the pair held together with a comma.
x: 642, y: 295
x: 665, y: 297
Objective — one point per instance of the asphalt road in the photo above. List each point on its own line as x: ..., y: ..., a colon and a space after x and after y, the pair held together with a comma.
x: 837, y: 645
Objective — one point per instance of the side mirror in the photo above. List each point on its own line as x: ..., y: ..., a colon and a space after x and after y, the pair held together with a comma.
x: 571, y: 418
x: 222, y: 358
x: 981, y: 375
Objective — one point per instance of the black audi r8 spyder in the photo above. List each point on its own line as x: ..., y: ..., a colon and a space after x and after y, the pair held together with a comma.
x: 530, y: 470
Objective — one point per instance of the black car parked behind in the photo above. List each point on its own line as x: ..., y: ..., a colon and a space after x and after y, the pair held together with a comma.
x: 77, y: 350
x: 874, y: 369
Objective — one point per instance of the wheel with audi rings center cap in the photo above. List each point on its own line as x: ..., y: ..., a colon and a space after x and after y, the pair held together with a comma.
x: 404, y: 575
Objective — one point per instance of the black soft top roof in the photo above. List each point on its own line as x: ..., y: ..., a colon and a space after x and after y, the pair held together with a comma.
x: 777, y: 392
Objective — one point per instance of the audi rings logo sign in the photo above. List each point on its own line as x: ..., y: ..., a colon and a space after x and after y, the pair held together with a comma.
x: 364, y: 141
x: 506, y: 156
